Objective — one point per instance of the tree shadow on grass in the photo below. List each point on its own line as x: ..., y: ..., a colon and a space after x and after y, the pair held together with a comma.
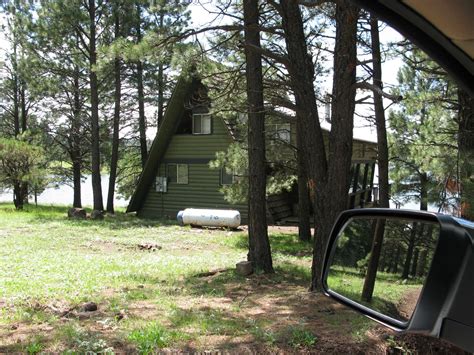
x: 119, y: 221
x: 377, y: 303
x: 289, y: 244
x: 381, y: 276
x: 218, y: 285
x: 50, y: 213
x: 47, y: 211
x: 280, y: 243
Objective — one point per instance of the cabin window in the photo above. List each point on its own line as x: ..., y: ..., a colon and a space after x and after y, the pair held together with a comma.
x: 226, y: 178
x: 362, y: 178
x: 178, y: 173
x: 201, y: 123
x: 281, y: 132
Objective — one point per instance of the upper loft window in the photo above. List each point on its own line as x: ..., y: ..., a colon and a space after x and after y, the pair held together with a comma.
x: 281, y: 132
x: 201, y: 123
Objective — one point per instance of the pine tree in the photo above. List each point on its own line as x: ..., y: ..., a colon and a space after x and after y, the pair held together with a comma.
x: 422, y: 136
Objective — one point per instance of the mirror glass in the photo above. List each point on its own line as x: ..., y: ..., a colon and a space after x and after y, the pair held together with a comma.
x: 382, y: 263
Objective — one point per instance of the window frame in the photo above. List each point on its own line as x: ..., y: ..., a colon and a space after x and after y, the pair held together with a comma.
x: 176, y: 166
x: 201, y: 115
x: 281, y: 129
x: 222, y: 172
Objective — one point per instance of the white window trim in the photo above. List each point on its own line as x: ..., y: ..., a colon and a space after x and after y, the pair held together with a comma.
x: 210, y: 123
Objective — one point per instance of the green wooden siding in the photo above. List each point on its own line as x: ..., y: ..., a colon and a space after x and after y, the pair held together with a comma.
x: 202, y: 190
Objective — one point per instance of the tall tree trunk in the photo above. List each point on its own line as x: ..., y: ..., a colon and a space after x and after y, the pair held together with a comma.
x: 16, y: 110
x: 161, y: 79
x: 16, y: 113
x: 16, y: 100
x: 331, y: 193
x: 396, y: 261
x: 421, y: 267
x: 23, y: 106
x: 331, y: 180
x: 24, y: 186
x: 76, y: 181
x: 141, y: 113
x: 259, y: 245
x: 75, y: 154
x: 95, y: 134
x: 423, y: 192
x: 301, y: 70
x: 24, y: 192
x: 466, y: 153
x: 411, y: 247
x: 141, y: 95
x: 17, y: 196
x: 375, y: 251
x: 116, y: 121
x: 310, y: 135
x: 382, y: 145
x: 161, y: 95
x: 304, y: 202
x: 414, y: 264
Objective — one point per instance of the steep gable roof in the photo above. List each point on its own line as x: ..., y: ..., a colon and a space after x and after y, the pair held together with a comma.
x: 182, y: 93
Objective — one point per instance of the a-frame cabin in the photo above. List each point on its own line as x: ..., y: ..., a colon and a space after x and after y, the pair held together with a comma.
x: 177, y: 174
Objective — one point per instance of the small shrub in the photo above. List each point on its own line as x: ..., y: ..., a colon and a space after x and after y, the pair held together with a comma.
x: 301, y: 338
x: 151, y: 338
x: 34, y: 348
x: 259, y: 332
x: 85, y: 342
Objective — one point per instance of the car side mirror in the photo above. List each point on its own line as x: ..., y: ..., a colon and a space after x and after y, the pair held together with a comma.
x: 411, y: 271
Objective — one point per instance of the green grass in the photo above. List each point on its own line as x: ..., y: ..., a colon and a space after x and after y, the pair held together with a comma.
x: 300, y: 337
x: 388, y: 289
x: 50, y: 256
x: 154, y: 337
x: 148, y: 300
x: 35, y: 346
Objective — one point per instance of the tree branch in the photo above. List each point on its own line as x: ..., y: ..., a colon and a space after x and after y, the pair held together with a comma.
x: 378, y: 90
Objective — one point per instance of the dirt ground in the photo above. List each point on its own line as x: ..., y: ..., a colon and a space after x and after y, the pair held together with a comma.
x: 260, y: 299
x: 277, y: 305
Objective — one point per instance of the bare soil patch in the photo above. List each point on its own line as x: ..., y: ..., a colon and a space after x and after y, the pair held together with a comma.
x: 278, y: 305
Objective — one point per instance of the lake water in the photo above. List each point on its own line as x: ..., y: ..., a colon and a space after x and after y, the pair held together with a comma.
x: 63, y: 195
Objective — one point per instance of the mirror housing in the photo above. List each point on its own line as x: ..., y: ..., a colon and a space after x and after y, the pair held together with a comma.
x: 445, y: 308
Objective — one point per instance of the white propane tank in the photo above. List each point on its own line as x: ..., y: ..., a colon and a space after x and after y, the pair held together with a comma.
x: 210, y: 218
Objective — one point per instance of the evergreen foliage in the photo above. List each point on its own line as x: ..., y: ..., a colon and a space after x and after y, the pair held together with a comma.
x: 21, y: 164
x: 422, y: 135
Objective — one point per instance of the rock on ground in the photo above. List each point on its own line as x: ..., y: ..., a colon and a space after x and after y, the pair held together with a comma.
x: 96, y: 214
x: 78, y: 213
x: 244, y: 268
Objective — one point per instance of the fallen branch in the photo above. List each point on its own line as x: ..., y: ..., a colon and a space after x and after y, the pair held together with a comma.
x: 211, y: 273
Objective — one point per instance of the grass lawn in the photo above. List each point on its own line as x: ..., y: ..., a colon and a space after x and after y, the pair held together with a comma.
x: 391, y: 296
x: 182, y: 294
